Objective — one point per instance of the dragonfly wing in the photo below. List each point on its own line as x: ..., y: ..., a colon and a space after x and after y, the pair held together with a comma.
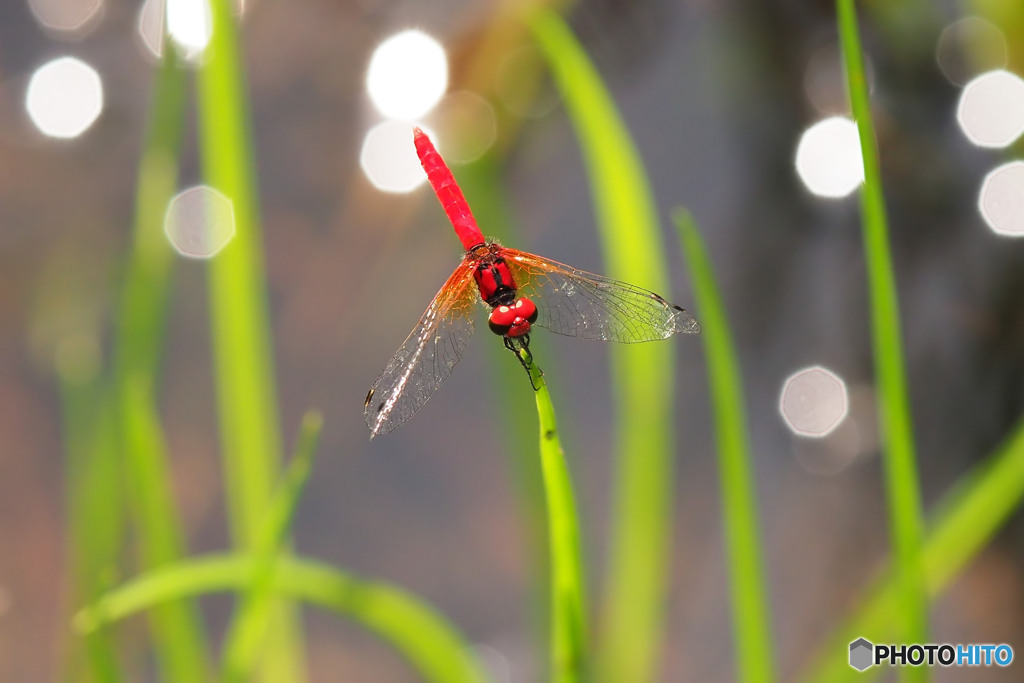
x: 426, y: 357
x: 589, y: 306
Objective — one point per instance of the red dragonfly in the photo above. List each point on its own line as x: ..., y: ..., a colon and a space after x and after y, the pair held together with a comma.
x: 521, y: 290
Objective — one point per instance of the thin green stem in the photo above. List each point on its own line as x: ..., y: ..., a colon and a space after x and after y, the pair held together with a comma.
x: 243, y: 361
x: 482, y: 181
x: 95, y: 501
x: 904, y: 498
x: 568, y: 618
x: 751, y: 616
x: 965, y: 521
x: 242, y: 356
x: 636, y: 589
x: 177, y: 628
x: 247, y: 632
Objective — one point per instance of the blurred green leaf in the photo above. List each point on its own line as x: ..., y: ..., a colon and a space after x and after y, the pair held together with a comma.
x: 247, y: 632
x: 751, y: 618
x: 95, y: 514
x: 177, y: 628
x: 964, y: 523
x: 904, y: 497
x: 419, y: 633
x: 242, y: 356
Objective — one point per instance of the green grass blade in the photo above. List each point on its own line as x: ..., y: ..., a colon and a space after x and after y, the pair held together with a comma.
x: 966, y: 520
x: 904, y: 497
x: 95, y: 504
x: 568, y: 614
x: 636, y: 590
x: 177, y: 633
x: 177, y: 629
x: 751, y: 617
x: 481, y: 181
x: 243, y: 363
x: 247, y: 632
x: 146, y: 290
x: 419, y: 633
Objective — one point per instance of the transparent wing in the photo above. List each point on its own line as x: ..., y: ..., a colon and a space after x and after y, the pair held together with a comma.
x: 590, y: 306
x: 426, y: 357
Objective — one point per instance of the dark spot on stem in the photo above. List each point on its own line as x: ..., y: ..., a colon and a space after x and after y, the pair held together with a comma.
x: 550, y: 434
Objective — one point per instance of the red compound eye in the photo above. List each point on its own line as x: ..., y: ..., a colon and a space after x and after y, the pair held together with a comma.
x: 502, y: 319
x: 513, y: 321
x: 526, y: 309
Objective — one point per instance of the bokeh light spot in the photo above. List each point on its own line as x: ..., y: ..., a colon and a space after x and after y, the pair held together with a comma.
x: 854, y: 438
x: 814, y: 402
x: 407, y: 76
x: 968, y: 47
x: 388, y: 157
x: 1001, y: 201
x: 64, y: 97
x: 152, y: 16
x: 828, y: 158
x: 494, y: 662
x: 991, y: 109
x: 466, y: 122
x: 70, y: 18
x: 199, y: 222
x: 190, y: 25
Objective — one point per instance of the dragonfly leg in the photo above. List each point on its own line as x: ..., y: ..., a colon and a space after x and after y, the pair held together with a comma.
x: 520, y: 346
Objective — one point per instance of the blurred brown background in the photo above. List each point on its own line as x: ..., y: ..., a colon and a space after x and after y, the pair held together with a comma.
x: 716, y: 96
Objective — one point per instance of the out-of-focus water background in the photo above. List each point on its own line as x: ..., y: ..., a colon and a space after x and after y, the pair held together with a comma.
x: 718, y: 97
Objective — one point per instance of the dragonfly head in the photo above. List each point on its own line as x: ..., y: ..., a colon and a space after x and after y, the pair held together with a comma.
x: 514, y: 320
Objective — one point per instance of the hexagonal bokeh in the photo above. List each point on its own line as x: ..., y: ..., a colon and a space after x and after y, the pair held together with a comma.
x: 828, y: 158
x: 407, y: 75
x: 389, y: 160
x: 969, y: 46
x: 64, y: 97
x: 814, y: 402
x: 861, y: 652
x: 1001, y: 200
x: 991, y: 109
x: 199, y: 222
x: 72, y: 17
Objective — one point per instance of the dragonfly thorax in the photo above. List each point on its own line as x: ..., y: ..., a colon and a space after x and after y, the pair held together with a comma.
x: 497, y: 287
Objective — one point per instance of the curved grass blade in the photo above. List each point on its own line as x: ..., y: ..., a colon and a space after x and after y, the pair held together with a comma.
x: 966, y: 520
x: 247, y: 632
x: 568, y: 618
x: 904, y: 497
x: 243, y: 362
x: 751, y: 616
x: 178, y: 633
x: 419, y: 633
x: 95, y: 503
x: 636, y: 589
